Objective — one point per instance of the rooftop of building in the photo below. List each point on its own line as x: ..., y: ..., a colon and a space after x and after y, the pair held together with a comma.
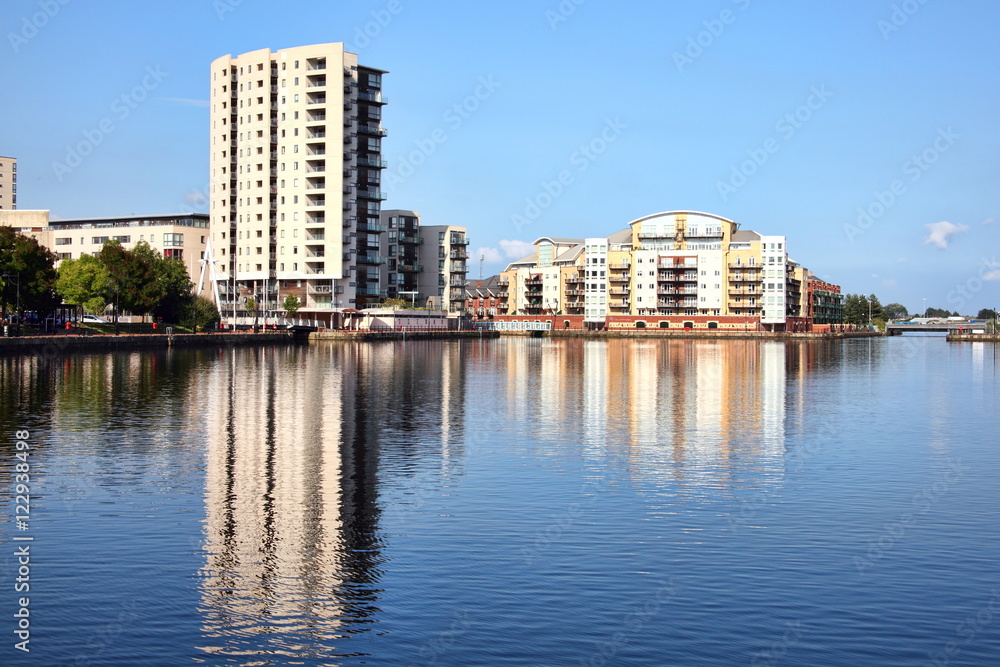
x: 745, y: 236
x: 482, y: 285
x: 180, y: 219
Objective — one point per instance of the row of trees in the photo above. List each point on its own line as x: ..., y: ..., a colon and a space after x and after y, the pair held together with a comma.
x: 856, y: 311
x: 140, y: 281
x: 27, y: 276
x: 860, y: 310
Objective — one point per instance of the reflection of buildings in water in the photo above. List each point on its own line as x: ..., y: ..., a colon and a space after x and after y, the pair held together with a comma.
x: 298, y: 447
x: 597, y: 391
x: 275, y: 534
x: 684, y: 408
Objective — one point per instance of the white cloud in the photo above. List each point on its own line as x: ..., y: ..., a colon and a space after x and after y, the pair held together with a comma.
x: 516, y: 249
x: 890, y: 282
x: 901, y: 260
x: 195, y: 198
x: 988, y: 221
x: 489, y: 255
x: 992, y: 276
x: 940, y: 232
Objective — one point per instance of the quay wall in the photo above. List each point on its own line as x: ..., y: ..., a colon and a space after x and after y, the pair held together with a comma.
x: 53, y: 345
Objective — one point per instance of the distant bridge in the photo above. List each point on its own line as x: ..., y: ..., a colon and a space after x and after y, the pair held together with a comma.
x: 945, y: 326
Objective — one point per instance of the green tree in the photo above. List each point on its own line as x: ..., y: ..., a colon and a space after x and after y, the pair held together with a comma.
x: 895, y: 311
x: 987, y: 314
x: 875, y: 312
x: 937, y: 312
x: 395, y: 303
x: 291, y: 305
x: 201, y: 312
x: 83, y: 282
x: 856, y: 309
x: 131, y: 281
x: 30, y: 267
x: 172, y: 288
x: 252, y: 308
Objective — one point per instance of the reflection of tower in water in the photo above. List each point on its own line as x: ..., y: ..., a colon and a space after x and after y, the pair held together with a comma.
x: 291, y: 545
x: 303, y: 445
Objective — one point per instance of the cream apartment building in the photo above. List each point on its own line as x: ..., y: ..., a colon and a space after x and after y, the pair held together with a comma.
x: 180, y: 236
x: 675, y: 263
x: 295, y: 172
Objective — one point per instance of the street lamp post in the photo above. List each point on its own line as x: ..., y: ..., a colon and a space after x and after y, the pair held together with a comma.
x: 116, y: 308
x: 925, y: 307
x: 17, y: 302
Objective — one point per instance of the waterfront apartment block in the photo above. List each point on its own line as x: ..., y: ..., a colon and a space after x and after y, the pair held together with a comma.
x: 678, y: 268
x: 8, y: 183
x: 426, y: 264
x: 181, y: 236
x: 295, y: 172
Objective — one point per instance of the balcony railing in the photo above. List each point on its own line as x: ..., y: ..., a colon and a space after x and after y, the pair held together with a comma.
x: 370, y: 162
x: 375, y: 97
x: 374, y: 130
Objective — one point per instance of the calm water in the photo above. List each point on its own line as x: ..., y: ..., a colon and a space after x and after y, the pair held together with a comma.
x: 512, y: 502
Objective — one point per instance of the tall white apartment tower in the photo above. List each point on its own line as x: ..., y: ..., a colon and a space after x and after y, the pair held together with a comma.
x: 296, y: 161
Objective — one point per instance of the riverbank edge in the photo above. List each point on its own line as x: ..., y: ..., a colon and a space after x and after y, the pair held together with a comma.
x: 51, y: 346
x: 973, y: 338
x: 57, y: 344
x: 701, y: 335
x: 597, y: 335
x: 400, y: 335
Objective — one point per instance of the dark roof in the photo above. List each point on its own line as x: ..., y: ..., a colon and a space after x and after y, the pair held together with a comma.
x: 491, y: 283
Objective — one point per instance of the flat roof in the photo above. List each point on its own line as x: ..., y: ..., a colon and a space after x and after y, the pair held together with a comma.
x: 159, y: 216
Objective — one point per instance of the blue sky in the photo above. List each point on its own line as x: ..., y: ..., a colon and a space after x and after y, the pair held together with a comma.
x: 865, y: 131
